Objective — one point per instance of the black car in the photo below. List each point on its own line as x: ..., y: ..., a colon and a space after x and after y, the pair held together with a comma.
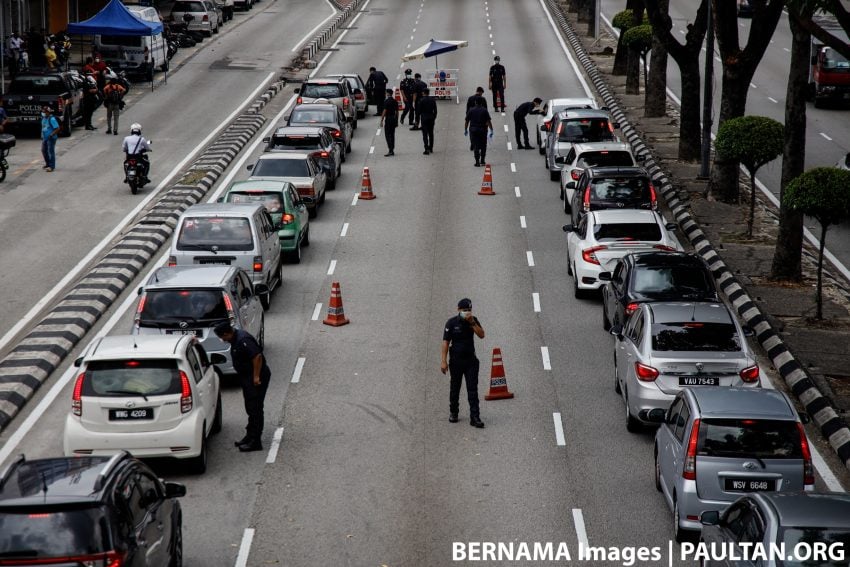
x: 317, y: 140
x: 326, y: 115
x: 611, y: 188
x: 653, y: 276
x: 74, y: 511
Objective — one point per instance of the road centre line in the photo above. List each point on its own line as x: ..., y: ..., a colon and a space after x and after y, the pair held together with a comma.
x: 74, y: 273
x: 786, y: 50
x: 581, y: 531
x: 372, y: 149
x: 535, y: 301
x: 494, y: 53
x: 316, y: 311
x: 547, y: 363
x: 773, y: 100
x: 355, y: 199
x: 753, y: 85
x: 513, y: 165
x: 378, y: 132
x: 560, y: 441
x: 332, y: 267
x: 275, y: 446
x: 522, y: 223
x: 414, y: 30
x: 344, y: 230
x: 506, y: 127
x: 530, y: 257
x: 296, y: 373
x: 245, y: 548
x: 510, y: 147
x: 825, y: 136
x: 315, y: 29
x: 516, y: 191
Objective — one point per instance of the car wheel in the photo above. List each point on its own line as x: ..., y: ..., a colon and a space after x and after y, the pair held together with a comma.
x: 313, y: 212
x: 361, y: 114
x: 569, y: 269
x: 567, y: 208
x: 657, y: 471
x: 208, y: 33
x: 354, y: 125
x: 67, y: 124
x: 343, y: 156
x: 164, y: 67
x: 295, y: 255
x: 322, y: 198
x: 679, y: 534
x: 616, y: 376
x: 305, y: 240
x: 348, y: 148
x: 177, y: 546
x: 577, y: 292
x: 279, y: 273
x: 217, y: 420
x: 561, y: 193
x: 198, y: 465
x: 265, y: 300
x: 216, y: 29
x: 554, y: 175
x: 632, y: 424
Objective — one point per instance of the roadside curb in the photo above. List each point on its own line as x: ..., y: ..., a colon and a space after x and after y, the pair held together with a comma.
x: 313, y: 46
x: 833, y: 427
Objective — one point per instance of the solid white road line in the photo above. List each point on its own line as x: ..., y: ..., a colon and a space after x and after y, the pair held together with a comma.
x: 245, y: 548
x: 825, y: 136
x: 544, y: 352
x: 581, y: 531
x: 588, y: 92
x: 316, y: 311
x: 513, y: 165
x: 518, y: 194
x: 344, y: 230
x: 522, y: 223
x: 535, y: 300
x: 560, y: 441
x: 355, y: 199
x: 299, y: 366
x: 332, y: 267
x: 275, y: 446
x: 510, y: 147
x: 315, y: 29
x: 530, y: 257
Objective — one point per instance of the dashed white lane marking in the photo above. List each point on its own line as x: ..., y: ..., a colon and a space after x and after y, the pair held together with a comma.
x: 516, y: 190
x: 753, y: 85
x: 581, y: 531
x: 494, y: 53
x: 510, y: 147
x: 535, y: 300
x: 245, y: 547
x: 530, y: 257
x: 682, y: 32
x: 492, y: 44
x: 513, y: 166
x: 544, y: 352
x: 491, y: 36
x: 506, y: 127
x: 522, y: 222
x: 489, y: 28
x: 411, y: 38
x: 316, y: 311
x: 825, y: 136
x: 371, y: 149
x: 299, y: 366
x: 560, y: 441
x: 773, y: 100
x: 378, y: 132
x: 332, y: 267
x: 397, y: 77
x: 408, y: 47
x: 414, y: 30
x: 356, y: 198
x: 344, y: 230
x: 275, y: 446
x: 786, y: 50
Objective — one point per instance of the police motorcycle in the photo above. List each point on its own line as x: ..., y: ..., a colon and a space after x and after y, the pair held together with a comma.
x: 136, y: 165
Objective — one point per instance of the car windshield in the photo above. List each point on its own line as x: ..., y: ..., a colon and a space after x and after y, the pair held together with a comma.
x: 273, y: 200
x: 749, y: 438
x: 792, y: 536
x: 37, y: 85
x: 625, y: 231
x: 317, y: 90
x: 694, y: 336
x: 181, y: 6
x: 835, y: 61
x: 41, y: 534
x: 173, y: 305
x: 584, y: 130
x: 661, y: 281
x: 281, y: 168
x: 291, y: 142
x: 605, y: 158
x: 620, y: 189
x: 312, y: 116
x: 215, y: 234
x: 119, y: 378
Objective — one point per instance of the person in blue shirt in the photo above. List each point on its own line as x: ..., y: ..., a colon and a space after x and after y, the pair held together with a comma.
x: 49, y: 135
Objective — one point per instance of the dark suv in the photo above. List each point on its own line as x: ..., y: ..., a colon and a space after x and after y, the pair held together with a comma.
x: 314, y: 139
x: 611, y: 188
x: 653, y: 276
x: 92, y: 511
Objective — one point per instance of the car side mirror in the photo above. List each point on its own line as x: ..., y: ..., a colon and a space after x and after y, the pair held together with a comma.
x: 218, y: 358
x: 709, y: 518
x: 175, y: 489
x: 805, y: 418
x: 616, y: 125
x: 656, y: 415
x: 671, y: 226
x: 266, y: 140
x: 605, y: 108
x: 570, y: 185
x: 298, y: 90
x: 617, y: 331
x: 748, y: 331
x: 250, y: 167
x: 568, y: 228
x: 220, y: 200
x: 78, y: 362
x: 604, y: 276
x: 261, y: 289
x: 560, y: 160
x: 140, y: 290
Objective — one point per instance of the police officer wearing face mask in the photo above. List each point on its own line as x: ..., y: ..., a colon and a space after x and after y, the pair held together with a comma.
x: 520, y: 127
x: 426, y: 110
x: 408, y: 92
x: 479, y: 94
x: 498, y: 83
x: 419, y: 89
x: 389, y: 121
x: 476, y: 126
x: 458, y: 340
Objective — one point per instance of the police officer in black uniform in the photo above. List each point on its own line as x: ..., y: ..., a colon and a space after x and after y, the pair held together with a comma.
x: 408, y: 88
x: 523, y: 110
x: 418, y: 92
x: 498, y: 83
x: 426, y: 111
x: 376, y: 84
x: 389, y: 121
x: 479, y: 94
x: 458, y: 340
x: 254, y: 376
x: 476, y: 125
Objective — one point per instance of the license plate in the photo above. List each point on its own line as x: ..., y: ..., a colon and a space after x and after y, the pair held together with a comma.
x: 28, y: 118
x: 130, y: 414
x: 221, y: 262
x: 190, y: 332
x: 750, y: 485
x: 699, y: 381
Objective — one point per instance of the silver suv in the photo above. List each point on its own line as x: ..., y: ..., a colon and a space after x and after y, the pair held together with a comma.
x: 330, y: 89
x: 716, y: 444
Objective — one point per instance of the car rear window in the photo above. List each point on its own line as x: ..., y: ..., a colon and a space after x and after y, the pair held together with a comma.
x: 293, y: 142
x: 119, y: 378
x: 620, y: 189
x: 281, y: 168
x: 627, y: 231
x: 577, y: 130
x: 315, y: 90
x: 660, y: 281
x: 605, y: 158
x: 791, y: 536
x: 52, y: 533
x: 216, y: 234
x: 749, y: 438
x: 272, y: 200
x: 188, y: 7
x: 169, y: 306
x: 316, y: 116
x: 37, y: 85
x: 695, y: 336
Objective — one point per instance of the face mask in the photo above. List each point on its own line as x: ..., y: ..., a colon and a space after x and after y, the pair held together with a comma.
x: 97, y: 60
x: 466, y: 314
x: 44, y: 115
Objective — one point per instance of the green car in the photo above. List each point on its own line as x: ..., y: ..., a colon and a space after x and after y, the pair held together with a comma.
x: 288, y: 211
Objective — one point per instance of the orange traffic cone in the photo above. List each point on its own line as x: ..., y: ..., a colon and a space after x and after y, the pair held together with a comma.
x: 398, y: 99
x: 336, y: 315
x: 499, y: 103
x: 366, y: 186
x: 487, y: 182
x: 498, y: 383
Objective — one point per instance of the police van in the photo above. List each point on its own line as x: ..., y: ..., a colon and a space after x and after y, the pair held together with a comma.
x: 132, y: 53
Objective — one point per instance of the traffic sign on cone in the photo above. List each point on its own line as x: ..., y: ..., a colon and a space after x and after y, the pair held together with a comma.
x: 336, y: 315
x: 487, y: 182
x: 366, y: 186
x: 498, y: 383
x: 499, y: 102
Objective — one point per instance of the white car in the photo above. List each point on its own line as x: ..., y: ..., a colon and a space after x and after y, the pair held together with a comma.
x: 592, y: 154
x: 603, y: 237
x: 552, y: 107
x: 151, y: 395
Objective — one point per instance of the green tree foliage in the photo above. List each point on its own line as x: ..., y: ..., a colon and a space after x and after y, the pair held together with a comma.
x: 639, y: 39
x: 821, y: 193
x: 623, y: 20
x: 753, y: 141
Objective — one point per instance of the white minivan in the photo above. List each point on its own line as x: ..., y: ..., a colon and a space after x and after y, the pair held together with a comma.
x: 132, y: 53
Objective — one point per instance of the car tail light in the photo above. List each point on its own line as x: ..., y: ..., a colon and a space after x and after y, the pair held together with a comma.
x: 345, y: 102
x: 575, y: 174
x: 610, y: 127
x: 653, y: 198
x: 228, y: 305
x: 172, y: 261
x: 206, y: 18
x: 547, y: 125
x: 336, y: 133
x: 631, y: 308
x: 185, y: 393
x: 115, y: 559
x: 589, y: 254
x: 689, y: 471
x: 287, y: 219
x: 808, y: 469
x: 299, y: 100
x: 750, y: 374
x: 77, y: 397
x: 108, y: 559
x: 664, y: 248
x: 258, y: 263
x: 139, y: 309
x: 586, y: 200
x: 60, y: 105
x: 645, y: 373
x: 320, y: 154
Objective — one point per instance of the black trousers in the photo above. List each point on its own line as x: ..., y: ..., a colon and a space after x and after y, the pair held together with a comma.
x: 501, y: 104
x: 520, y: 127
x: 478, y: 137
x: 254, y: 397
x: 389, y: 134
x: 460, y: 368
x: 89, y: 106
x: 428, y: 132
x: 408, y: 108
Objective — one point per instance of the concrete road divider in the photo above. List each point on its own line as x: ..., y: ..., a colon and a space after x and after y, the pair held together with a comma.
x: 498, y: 381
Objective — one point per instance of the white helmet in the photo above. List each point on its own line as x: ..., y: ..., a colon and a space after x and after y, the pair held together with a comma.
x: 136, y: 128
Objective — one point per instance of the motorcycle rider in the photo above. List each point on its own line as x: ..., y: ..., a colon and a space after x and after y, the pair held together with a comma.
x: 136, y: 146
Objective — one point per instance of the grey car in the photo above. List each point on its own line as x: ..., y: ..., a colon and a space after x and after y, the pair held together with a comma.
x: 335, y: 90
x: 327, y: 116
x: 574, y: 127
x: 665, y: 347
x: 358, y: 91
x: 192, y: 300
x: 716, y: 444
x: 780, y: 518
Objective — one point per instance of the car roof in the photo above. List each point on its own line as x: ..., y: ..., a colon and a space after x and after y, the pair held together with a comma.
x: 578, y: 101
x: 298, y: 130
x: 619, y: 216
x: 741, y: 403
x: 190, y: 276
x: 665, y: 259
x: 323, y: 80
x: 314, y: 105
x: 345, y: 75
x: 122, y: 347
x: 583, y: 113
x: 686, y: 311
x: 55, y: 480
x: 582, y: 147
x: 211, y: 209
x: 287, y: 155
x: 614, y: 171
x: 809, y: 509
x: 248, y: 185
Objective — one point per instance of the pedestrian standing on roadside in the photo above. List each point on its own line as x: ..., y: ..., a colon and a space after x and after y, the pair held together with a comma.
x: 113, y: 100
x: 498, y: 83
x: 479, y: 94
x: 407, y: 86
x: 389, y: 121
x: 91, y: 100
x: 254, y: 377
x: 459, y: 342
x: 49, y: 135
x: 16, y: 47
x: 476, y: 126
x: 376, y: 84
x: 418, y: 92
x: 426, y: 112
x: 520, y: 127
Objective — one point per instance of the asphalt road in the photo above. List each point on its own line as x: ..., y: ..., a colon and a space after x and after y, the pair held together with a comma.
x: 369, y: 471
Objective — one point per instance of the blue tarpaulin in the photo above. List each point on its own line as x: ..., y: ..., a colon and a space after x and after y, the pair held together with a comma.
x: 115, y: 19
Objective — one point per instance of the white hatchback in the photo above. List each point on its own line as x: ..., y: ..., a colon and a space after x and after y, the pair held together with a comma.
x: 552, y: 107
x: 151, y: 395
x: 603, y: 237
